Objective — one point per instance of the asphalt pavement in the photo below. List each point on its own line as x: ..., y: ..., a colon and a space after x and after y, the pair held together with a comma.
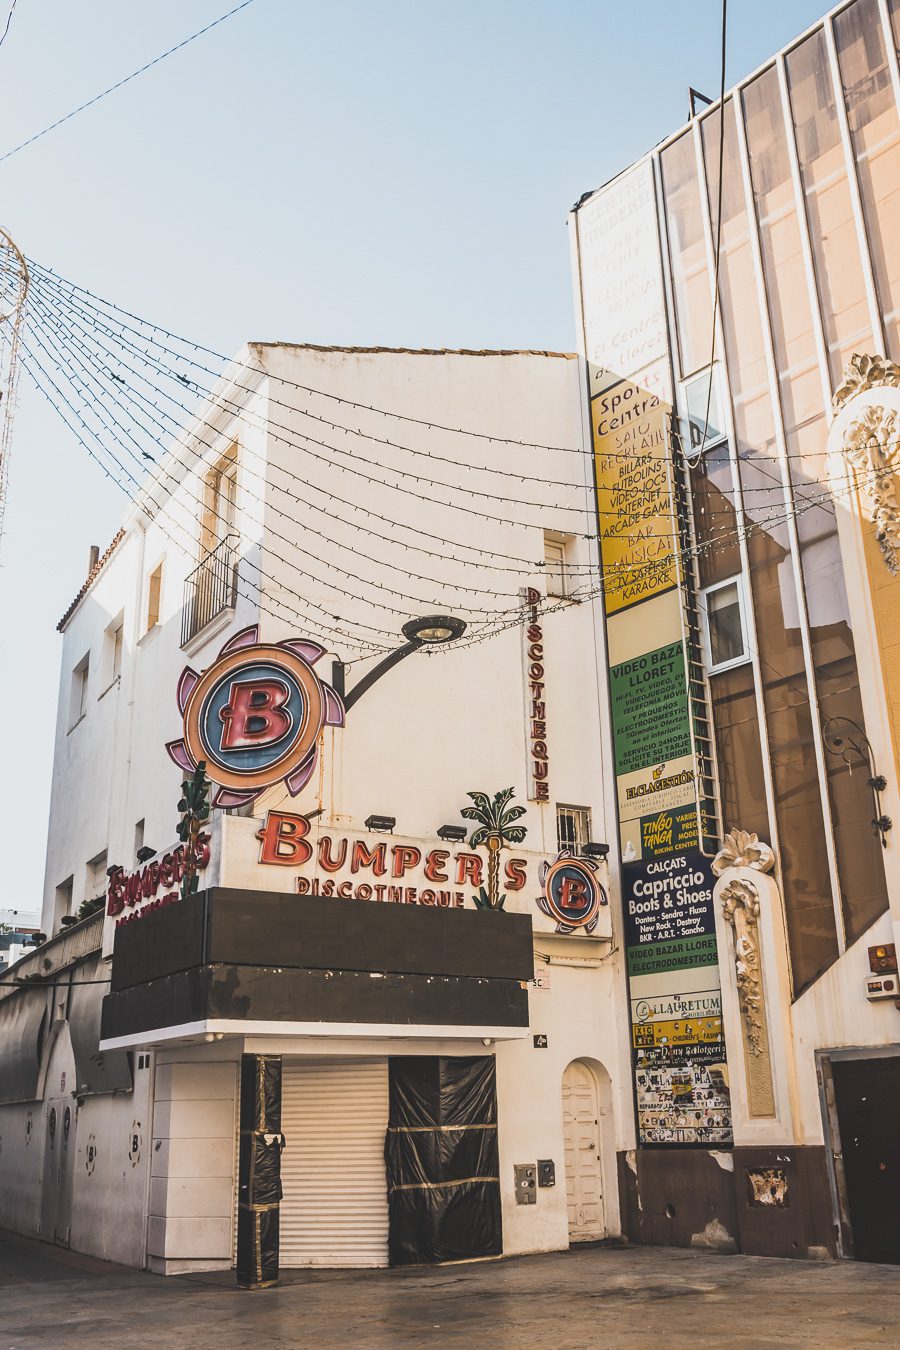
x: 638, y: 1298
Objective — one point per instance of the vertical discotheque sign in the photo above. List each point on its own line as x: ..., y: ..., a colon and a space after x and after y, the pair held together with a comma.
x: 678, y: 1048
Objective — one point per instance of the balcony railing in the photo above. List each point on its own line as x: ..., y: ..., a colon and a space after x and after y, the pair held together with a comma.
x: 210, y: 588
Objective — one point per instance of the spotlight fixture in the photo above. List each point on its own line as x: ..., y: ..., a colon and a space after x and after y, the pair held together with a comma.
x: 434, y: 630
x: 67, y: 920
x: 383, y: 823
x: 145, y: 852
x: 454, y: 834
x: 595, y: 850
x: 36, y: 940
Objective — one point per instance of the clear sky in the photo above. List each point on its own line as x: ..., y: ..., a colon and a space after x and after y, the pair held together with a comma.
x: 369, y: 172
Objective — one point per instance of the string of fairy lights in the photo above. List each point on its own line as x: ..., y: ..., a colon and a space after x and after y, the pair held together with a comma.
x: 125, y: 387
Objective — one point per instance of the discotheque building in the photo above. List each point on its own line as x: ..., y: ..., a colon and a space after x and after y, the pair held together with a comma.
x: 340, y: 1021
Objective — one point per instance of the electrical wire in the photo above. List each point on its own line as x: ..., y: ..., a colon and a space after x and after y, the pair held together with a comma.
x: 9, y: 16
x: 82, y: 107
x: 715, y: 311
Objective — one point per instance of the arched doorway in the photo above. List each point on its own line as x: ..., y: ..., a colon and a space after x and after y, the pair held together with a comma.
x: 584, y: 1163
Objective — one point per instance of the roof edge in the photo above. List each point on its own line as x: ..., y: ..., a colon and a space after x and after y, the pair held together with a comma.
x: 91, y: 577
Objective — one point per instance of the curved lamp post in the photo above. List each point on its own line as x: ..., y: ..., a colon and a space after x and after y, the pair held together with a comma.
x: 436, y: 630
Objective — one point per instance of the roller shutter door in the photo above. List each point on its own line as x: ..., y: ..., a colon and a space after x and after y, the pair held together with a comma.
x: 334, y: 1115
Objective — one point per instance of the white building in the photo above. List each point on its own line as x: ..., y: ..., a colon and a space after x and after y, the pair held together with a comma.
x: 329, y: 496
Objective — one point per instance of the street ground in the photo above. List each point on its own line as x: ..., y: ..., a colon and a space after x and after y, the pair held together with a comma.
x: 648, y: 1298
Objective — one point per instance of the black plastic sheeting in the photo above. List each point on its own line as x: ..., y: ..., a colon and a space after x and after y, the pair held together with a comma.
x: 442, y: 1160
x: 24, y: 1018
x: 259, y: 1171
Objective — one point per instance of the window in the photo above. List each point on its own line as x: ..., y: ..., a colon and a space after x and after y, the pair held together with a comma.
x: 726, y: 637
x: 96, y: 876
x: 78, y: 696
x: 62, y: 903
x: 573, y: 827
x: 112, y: 654
x: 219, y: 501
x: 154, y: 597
x: 702, y: 432
x: 557, y: 565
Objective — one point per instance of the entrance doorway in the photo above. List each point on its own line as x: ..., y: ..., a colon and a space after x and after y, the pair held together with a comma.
x: 867, y: 1100
x: 59, y: 1160
x: 334, y: 1115
x: 584, y: 1165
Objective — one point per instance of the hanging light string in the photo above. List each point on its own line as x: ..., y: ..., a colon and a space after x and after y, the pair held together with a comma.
x: 91, y: 315
x: 306, y: 440
x: 364, y: 579
x: 82, y: 107
x: 500, y: 618
x: 610, y: 585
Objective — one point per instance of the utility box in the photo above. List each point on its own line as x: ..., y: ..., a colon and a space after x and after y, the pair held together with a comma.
x: 546, y: 1172
x: 526, y: 1183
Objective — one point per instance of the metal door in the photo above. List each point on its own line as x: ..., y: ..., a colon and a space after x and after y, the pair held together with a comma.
x: 867, y: 1097
x: 584, y: 1168
x: 59, y: 1158
x: 334, y: 1115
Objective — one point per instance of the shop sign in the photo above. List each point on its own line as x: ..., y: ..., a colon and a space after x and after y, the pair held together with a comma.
x: 571, y: 893
x: 678, y: 1045
x: 566, y: 890
x: 535, y: 701
x: 153, y: 886
x: 621, y: 279
x: 254, y: 716
x: 634, y: 494
x: 651, y: 717
x: 348, y: 867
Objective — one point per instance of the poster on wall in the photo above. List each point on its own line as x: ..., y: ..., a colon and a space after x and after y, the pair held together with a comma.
x: 678, y: 1046
x: 634, y: 497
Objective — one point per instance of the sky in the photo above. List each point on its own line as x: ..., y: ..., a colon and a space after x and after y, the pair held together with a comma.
x: 370, y: 172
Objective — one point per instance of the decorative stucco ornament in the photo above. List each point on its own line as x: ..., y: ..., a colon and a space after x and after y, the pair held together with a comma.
x: 740, y: 907
x: 864, y: 372
x: 872, y: 446
x: 740, y: 848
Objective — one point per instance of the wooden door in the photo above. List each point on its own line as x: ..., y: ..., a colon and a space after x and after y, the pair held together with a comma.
x: 584, y: 1168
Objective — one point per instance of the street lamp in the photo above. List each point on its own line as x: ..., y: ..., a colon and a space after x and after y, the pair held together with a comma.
x: 435, y: 630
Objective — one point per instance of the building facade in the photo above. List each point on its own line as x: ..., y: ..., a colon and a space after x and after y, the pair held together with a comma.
x: 394, y: 922
x: 394, y: 648
x: 740, y: 333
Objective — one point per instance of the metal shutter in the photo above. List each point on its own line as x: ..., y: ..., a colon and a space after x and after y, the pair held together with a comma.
x: 334, y: 1115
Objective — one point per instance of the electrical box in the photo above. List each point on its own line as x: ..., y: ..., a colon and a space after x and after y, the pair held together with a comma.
x: 882, y: 986
x: 526, y: 1183
x: 546, y: 1172
x: 883, y: 959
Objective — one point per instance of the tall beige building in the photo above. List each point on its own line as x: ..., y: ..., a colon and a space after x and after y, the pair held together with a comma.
x: 740, y: 338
